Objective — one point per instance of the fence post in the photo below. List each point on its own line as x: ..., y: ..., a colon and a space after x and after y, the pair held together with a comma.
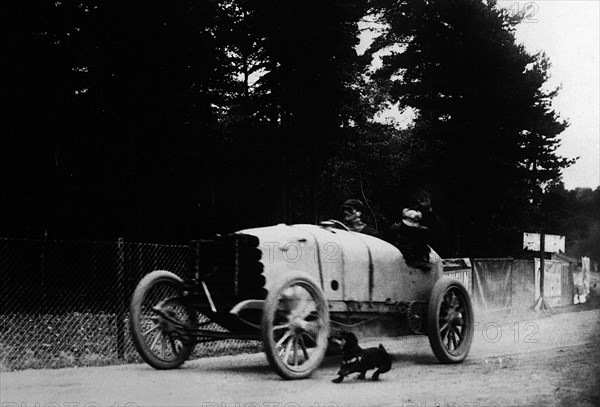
x: 541, y: 303
x: 42, y: 308
x: 120, y: 299
x: 512, y: 285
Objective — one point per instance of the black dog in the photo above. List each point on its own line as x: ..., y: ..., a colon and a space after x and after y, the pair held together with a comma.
x: 358, y: 360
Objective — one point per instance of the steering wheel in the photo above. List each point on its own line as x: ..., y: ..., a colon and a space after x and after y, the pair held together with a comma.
x: 334, y: 223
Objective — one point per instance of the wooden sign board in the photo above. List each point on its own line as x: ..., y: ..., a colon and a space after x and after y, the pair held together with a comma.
x: 552, y: 243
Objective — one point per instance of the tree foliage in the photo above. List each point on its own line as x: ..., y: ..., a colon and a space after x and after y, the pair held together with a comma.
x: 159, y: 121
x: 488, y: 116
x: 576, y: 215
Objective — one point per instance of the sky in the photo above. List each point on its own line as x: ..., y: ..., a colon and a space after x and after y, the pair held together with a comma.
x: 569, y: 33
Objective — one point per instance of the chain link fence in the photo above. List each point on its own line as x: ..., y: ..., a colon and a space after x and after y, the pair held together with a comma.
x: 64, y: 303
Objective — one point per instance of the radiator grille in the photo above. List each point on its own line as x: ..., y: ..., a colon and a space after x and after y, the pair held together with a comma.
x: 230, y: 266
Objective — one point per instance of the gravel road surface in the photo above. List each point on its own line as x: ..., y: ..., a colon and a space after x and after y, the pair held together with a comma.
x: 531, y: 360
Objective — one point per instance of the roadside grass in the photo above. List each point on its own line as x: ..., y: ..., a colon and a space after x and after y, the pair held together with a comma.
x: 81, y: 339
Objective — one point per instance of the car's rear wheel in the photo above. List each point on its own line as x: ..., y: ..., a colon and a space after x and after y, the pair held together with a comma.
x: 450, y: 319
x: 295, y: 326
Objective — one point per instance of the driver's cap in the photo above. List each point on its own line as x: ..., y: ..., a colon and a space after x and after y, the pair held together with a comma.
x: 355, y: 204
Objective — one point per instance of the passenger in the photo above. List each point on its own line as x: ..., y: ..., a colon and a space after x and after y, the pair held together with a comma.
x: 433, y: 223
x: 410, y: 237
x: 351, y: 212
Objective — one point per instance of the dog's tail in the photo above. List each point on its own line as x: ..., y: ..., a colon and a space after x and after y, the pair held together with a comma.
x: 387, y: 366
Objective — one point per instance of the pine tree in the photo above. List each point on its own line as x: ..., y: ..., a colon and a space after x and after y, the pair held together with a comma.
x: 488, y: 113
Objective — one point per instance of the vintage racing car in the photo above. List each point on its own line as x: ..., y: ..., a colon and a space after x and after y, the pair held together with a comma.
x: 292, y: 286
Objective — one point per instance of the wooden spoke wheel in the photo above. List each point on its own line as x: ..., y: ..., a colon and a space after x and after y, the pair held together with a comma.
x: 155, y: 323
x: 295, y: 326
x: 450, y: 319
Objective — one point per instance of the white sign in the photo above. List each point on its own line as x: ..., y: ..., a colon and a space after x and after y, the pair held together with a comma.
x: 552, y: 243
x: 552, y: 278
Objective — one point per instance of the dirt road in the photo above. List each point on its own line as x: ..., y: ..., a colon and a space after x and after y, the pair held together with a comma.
x: 532, y: 360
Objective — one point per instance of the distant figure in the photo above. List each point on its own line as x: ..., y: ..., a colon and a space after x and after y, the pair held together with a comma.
x: 430, y: 220
x: 410, y: 236
x: 351, y: 212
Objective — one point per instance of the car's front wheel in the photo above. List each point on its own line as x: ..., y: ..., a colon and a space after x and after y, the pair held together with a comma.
x: 152, y: 329
x: 295, y: 326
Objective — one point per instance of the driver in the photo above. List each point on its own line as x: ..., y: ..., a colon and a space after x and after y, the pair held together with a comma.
x: 351, y: 212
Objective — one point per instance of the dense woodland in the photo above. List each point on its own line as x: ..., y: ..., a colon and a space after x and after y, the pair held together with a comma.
x: 162, y: 121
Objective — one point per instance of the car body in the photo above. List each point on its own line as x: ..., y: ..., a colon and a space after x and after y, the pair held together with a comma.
x: 292, y: 286
x: 351, y: 267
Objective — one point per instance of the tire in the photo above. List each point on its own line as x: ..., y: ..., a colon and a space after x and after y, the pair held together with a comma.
x: 450, y: 321
x: 147, y: 330
x: 295, y: 326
